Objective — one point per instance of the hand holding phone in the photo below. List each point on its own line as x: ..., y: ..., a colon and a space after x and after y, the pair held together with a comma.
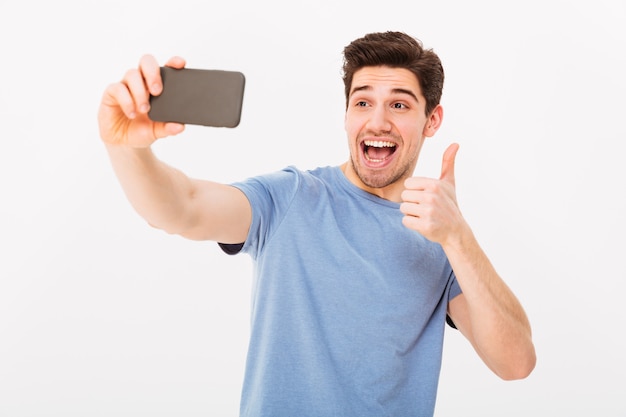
x: 200, y: 97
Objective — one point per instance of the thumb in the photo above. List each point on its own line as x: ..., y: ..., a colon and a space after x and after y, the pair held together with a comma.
x: 447, y: 166
x: 163, y: 129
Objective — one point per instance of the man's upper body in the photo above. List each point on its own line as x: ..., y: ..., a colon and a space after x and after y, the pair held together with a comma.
x: 348, y: 305
x: 393, y: 87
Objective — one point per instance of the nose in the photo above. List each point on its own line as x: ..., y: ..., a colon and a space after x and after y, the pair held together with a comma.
x: 379, y: 121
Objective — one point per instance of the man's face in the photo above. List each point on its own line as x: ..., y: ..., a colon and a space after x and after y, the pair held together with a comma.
x: 386, y: 127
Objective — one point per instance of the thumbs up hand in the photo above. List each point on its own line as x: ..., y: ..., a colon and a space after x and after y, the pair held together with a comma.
x: 429, y: 205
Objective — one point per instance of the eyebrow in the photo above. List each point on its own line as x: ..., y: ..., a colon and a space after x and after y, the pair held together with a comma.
x: 395, y: 91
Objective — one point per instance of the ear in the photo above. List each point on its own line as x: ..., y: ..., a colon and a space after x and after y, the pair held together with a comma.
x: 434, y: 121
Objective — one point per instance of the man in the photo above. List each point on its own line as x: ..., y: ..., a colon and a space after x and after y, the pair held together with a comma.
x: 356, y: 267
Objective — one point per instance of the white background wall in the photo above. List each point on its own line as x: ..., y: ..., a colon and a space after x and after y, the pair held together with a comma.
x: 102, y: 315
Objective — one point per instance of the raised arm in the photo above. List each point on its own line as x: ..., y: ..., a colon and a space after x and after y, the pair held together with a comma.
x: 165, y: 197
x: 487, y: 312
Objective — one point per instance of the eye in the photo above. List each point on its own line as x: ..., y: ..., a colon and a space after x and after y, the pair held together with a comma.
x: 399, y: 106
x: 361, y: 104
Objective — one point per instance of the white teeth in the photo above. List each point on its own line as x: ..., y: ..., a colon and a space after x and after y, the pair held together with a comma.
x: 379, y: 144
x: 372, y: 159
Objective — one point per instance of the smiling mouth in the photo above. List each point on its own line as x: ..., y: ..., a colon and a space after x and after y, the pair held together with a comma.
x: 378, y: 150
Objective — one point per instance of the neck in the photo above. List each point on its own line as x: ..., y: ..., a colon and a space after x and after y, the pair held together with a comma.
x: 391, y: 192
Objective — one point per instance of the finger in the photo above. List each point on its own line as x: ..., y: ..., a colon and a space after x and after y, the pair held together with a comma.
x: 409, y: 196
x: 410, y: 209
x: 416, y: 196
x: 117, y: 95
x: 151, y: 74
x: 176, y: 62
x: 162, y: 129
x: 136, y: 86
x: 447, y: 165
x: 417, y: 183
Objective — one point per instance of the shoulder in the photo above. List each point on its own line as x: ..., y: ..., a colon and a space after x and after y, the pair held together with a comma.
x: 292, y: 177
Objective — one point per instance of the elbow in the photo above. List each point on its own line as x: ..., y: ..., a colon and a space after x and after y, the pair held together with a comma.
x: 520, y: 368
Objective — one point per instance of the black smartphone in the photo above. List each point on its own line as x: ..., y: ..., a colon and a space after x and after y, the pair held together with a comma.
x: 203, y: 97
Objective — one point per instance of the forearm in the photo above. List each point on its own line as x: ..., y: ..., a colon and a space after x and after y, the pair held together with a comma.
x: 158, y: 192
x: 497, y: 325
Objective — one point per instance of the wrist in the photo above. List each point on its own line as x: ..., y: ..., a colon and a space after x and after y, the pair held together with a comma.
x: 460, y: 241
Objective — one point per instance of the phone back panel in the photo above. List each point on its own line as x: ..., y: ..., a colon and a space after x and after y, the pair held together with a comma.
x: 199, y: 96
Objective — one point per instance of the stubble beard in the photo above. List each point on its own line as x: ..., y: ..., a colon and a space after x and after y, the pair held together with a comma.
x: 381, y: 179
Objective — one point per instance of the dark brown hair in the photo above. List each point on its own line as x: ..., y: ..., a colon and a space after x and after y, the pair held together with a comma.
x: 395, y: 50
